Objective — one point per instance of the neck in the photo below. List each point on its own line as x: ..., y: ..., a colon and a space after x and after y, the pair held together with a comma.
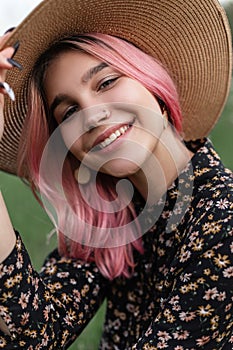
x: 162, y: 167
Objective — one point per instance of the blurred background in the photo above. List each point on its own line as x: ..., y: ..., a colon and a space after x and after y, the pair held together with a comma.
x: 26, y: 214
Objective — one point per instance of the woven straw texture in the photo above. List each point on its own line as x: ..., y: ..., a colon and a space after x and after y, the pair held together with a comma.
x: 191, y: 38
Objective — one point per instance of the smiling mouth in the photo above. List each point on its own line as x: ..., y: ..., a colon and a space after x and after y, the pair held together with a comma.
x: 112, y: 138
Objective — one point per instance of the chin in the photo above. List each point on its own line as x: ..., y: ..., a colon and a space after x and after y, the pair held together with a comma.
x: 120, y: 168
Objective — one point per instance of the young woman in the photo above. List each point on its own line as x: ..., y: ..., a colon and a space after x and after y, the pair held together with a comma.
x: 113, y: 138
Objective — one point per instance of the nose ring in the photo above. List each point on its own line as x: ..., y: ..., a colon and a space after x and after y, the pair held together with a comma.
x: 98, y: 118
x: 106, y: 113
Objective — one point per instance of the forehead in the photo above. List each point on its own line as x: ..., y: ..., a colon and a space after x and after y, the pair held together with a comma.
x: 72, y: 60
x: 69, y: 66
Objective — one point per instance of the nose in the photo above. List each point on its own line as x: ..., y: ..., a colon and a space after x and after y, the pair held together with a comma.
x: 94, y: 117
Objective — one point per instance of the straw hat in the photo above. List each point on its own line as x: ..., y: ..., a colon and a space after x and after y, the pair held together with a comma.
x: 191, y: 38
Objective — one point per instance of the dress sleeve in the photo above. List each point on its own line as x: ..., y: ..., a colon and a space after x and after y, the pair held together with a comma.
x: 46, y: 310
x: 197, y: 312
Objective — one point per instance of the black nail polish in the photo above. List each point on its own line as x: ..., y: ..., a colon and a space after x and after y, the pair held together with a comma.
x: 9, y: 30
x: 15, y: 47
x: 15, y: 63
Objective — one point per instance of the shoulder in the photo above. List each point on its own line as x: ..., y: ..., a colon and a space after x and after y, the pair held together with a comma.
x: 212, y: 185
x: 208, y: 220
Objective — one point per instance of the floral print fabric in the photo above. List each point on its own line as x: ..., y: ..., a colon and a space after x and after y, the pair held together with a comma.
x: 180, y: 296
x: 46, y: 311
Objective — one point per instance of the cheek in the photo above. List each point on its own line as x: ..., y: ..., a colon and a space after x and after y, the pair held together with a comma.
x: 151, y: 102
x: 76, y: 150
x: 72, y: 142
x: 135, y: 92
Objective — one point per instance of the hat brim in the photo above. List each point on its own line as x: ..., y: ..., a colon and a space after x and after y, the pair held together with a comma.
x: 190, y: 38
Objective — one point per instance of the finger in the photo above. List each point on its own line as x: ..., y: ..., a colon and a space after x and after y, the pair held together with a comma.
x: 4, y: 38
x: 4, y: 64
x: 7, y: 90
x: 7, y: 57
x: 9, y: 30
x: 5, y: 54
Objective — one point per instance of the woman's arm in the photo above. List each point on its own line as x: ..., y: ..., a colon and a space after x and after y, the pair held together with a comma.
x: 7, y: 234
x: 47, y: 310
x: 7, y: 243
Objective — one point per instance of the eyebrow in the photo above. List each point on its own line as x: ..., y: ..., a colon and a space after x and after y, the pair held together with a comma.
x: 87, y: 76
x: 92, y: 71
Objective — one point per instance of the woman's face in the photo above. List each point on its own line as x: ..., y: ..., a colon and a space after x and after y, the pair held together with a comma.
x: 109, y: 121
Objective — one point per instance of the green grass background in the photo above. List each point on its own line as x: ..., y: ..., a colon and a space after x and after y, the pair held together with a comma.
x: 34, y: 225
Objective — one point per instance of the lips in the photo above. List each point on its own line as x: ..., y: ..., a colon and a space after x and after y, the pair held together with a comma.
x: 110, y: 136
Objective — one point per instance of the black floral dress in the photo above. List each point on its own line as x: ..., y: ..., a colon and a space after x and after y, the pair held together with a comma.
x: 180, y: 296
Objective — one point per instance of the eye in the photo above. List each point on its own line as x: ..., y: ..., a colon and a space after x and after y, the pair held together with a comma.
x: 107, y: 83
x: 70, y: 112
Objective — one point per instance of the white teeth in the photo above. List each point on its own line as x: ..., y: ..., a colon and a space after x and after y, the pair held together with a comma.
x: 123, y: 129
x: 107, y: 141
x: 114, y: 136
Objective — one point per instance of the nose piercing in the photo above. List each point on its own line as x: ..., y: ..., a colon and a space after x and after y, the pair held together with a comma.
x: 98, y: 117
x: 106, y: 113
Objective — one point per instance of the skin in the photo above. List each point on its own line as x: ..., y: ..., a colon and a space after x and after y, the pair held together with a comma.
x: 7, y: 235
x: 79, y: 88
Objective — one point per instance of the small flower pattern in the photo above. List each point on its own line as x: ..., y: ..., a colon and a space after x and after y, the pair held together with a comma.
x: 46, y: 310
x: 180, y: 296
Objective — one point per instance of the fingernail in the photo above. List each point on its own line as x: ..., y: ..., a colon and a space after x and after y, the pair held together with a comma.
x: 15, y: 47
x: 15, y: 63
x: 8, y: 90
x: 9, y: 30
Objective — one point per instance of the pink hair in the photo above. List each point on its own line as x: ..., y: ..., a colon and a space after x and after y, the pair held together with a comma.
x: 131, y: 61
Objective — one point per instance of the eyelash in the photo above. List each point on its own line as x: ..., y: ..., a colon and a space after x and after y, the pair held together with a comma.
x: 70, y: 112
x: 109, y: 82
x: 102, y: 86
